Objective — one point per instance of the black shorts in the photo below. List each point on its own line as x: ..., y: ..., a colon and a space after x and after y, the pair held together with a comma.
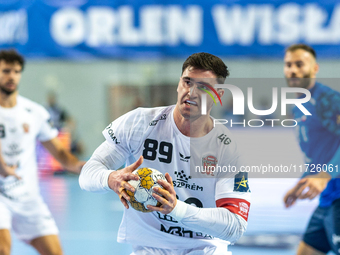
x: 323, y: 231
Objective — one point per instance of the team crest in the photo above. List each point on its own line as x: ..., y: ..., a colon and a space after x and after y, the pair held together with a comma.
x: 241, y: 182
x: 209, y: 162
x: 26, y: 127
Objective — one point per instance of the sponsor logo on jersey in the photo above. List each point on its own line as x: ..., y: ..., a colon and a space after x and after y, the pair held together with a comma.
x: 179, y: 231
x: 154, y: 122
x: 241, y: 182
x: 166, y: 217
x: 26, y: 127
x: 2, y: 131
x: 209, y: 162
x: 224, y: 139
x: 182, y: 181
x: 244, y: 208
x: 14, y: 150
x: 184, y: 158
x: 113, y: 137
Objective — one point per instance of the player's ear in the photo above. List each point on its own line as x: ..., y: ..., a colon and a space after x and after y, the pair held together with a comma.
x: 316, y: 68
x: 220, y: 92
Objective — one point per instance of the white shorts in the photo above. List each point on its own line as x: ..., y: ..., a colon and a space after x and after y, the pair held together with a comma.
x: 28, y: 220
x: 207, y: 250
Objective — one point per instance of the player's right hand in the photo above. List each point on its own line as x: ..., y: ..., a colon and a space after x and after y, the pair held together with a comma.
x: 6, y: 170
x: 118, y: 181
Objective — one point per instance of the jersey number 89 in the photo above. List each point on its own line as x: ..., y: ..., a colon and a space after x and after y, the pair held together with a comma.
x: 150, y: 150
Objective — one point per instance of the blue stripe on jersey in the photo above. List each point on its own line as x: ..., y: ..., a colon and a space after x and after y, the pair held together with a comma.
x: 319, y: 134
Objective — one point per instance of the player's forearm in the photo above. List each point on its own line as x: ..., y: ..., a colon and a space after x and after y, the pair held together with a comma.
x: 218, y: 222
x: 94, y: 176
x: 95, y: 173
x: 69, y: 161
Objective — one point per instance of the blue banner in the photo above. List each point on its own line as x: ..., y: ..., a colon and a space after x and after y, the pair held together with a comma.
x: 80, y: 29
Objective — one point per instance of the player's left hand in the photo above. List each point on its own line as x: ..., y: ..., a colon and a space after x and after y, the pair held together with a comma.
x: 315, y: 184
x: 168, y: 200
x: 308, y: 187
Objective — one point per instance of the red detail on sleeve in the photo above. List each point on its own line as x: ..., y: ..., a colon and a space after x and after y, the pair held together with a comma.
x: 235, y: 205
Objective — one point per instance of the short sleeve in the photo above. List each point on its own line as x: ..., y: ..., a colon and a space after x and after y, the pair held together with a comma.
x: 46, y: 130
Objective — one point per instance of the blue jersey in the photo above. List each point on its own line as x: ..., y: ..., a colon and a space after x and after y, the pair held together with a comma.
x: 319, y: 134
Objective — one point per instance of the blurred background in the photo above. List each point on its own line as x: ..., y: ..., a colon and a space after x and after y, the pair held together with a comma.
x: 90, y: 61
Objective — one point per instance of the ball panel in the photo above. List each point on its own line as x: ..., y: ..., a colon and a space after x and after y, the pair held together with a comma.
x: 143, y: 189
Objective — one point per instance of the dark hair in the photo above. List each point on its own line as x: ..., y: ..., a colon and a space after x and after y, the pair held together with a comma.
x: 301, y: 46
x: 12, y: 56
x: 209, y: 62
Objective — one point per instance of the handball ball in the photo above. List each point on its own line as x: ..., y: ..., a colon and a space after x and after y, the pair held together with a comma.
x: 142, y: 197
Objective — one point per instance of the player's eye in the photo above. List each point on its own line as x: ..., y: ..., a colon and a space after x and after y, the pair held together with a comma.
x: 188, y: 82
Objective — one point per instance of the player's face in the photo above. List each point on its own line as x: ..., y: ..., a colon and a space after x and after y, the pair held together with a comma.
x: 10, y: 75
x: 191, y: 86
x: 300, y: 67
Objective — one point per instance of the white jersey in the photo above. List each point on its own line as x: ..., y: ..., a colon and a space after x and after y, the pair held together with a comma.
x: 20, y: 127
x: 152, y: 132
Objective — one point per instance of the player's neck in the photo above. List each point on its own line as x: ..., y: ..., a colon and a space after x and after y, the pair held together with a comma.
x: 193, y: 127
x: 8, y: 101
x: 311, y: 84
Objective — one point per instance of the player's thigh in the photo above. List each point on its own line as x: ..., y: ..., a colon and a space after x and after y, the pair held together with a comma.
x: 315, y: 239
x: 305, y: 249
x: 33, y: 220
x: 332, y: 226
x: 5, y: 242
x: 47, y: 245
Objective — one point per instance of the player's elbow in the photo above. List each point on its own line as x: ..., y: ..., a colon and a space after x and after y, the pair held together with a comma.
x: 235, y: 233
x: 82, y: 178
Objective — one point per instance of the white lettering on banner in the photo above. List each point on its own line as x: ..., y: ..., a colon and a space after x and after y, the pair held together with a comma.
x: 104, y: 26
x: 184, y: 25
x: 102, y: 22
x: 68, y: 27
x: 172, y: 25
x: 288, y: 16
x: 235, y: 25
x: 284, y: 25
x: 14, y: 28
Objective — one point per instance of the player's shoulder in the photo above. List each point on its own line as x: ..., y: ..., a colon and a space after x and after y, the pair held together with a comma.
x: 223, y: 132
x: 135, y: 124
x: 152, y: 113
x: 144, y: 116
x: 31, y: 106
x: 326, y: 98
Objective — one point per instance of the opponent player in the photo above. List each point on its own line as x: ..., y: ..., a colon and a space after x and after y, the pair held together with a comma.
x: 200, y: 213
x: 22, y: 122
x: 319, y: 138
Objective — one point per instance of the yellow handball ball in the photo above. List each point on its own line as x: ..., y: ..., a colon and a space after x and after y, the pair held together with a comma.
x: 142, y: 197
